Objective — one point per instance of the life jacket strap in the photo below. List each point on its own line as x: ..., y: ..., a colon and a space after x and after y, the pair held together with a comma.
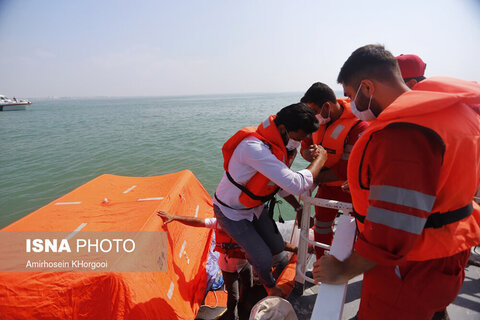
x: 437, y: 220
x: 226, y: 205
x: 248, y: 192
x: 358, y: 216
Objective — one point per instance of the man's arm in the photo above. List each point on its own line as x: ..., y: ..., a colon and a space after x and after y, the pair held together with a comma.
x: 316, y: 165
x: 291, y: 248
x: 404, y: 165
x: 329, y: 269
x: 402, y: 162
x: 189, y: 221
x: 258, y: 156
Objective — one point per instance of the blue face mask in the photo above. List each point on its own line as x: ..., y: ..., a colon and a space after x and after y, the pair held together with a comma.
x: 365, y: 115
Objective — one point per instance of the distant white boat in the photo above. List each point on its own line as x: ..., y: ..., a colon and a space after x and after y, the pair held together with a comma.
x: 7, y: 104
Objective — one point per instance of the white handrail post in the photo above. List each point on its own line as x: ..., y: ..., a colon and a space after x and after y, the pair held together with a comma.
x: 303, y: 245
x: 331, y: 298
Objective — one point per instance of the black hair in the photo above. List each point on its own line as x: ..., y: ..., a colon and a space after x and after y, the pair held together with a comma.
x: 371, y: 61
x: 319, y: 93
x: 298, y: 116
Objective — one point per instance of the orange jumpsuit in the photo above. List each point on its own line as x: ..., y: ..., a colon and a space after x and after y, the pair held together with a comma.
x: 325, y: 217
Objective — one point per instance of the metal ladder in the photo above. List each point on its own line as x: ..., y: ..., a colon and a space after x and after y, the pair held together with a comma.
x: 330, y: 298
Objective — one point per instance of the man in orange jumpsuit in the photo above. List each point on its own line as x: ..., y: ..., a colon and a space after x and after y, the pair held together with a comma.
x: 412, y: 176
x: 338, y: 132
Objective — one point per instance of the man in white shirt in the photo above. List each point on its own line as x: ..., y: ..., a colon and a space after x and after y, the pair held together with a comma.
x: 257, y: 164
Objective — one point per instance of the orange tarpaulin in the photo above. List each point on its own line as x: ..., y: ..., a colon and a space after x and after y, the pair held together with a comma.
x: 115, y: 203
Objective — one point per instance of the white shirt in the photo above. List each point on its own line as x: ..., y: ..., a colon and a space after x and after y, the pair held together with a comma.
x: 211, y: 223
x: 252, y: 156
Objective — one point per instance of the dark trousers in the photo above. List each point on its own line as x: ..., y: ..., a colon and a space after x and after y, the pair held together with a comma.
x: 237, y: 285
x: 259, y: 239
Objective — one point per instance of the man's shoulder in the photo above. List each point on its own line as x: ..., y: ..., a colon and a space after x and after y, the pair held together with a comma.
x: 358, y: 128
x: 252, y: 144
x: 401, y: 128
x: 402, y: 134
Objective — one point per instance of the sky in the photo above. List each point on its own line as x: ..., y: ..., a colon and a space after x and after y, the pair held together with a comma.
x: 58, y: 48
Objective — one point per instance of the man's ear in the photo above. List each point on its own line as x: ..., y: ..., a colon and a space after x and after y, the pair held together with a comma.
x: 368, y: 87
x: 329, y: 105
x: 283, y: 132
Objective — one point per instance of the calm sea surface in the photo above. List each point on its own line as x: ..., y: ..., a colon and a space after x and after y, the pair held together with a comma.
x: 57, y: 145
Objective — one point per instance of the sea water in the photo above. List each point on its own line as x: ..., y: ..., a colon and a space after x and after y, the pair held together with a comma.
x: 57, y: 145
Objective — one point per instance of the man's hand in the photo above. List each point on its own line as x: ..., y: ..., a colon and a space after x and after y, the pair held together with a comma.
x: 166, y: 217
x: 311, y: 152
x: 316, y: 165
x: 345, y: 187
x: 329, y: 269
x: 321, y: 153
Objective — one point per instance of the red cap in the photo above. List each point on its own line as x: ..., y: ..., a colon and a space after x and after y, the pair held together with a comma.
x: 411, y: 66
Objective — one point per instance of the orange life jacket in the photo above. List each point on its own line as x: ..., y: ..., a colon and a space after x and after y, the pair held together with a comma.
x: 225, y: 244
x: 259, y: 189
x: 332, y: 137
x: 446, y: 106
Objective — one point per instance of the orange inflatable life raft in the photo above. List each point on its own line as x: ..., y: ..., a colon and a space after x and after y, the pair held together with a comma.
x: 115, y: 203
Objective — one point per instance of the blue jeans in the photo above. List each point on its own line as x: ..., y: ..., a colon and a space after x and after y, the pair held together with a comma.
x: 259, y: 239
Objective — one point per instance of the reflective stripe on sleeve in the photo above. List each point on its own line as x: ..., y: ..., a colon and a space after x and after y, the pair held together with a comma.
x: 402, y: 196
x: 324, y: 224
x: 396, y: 220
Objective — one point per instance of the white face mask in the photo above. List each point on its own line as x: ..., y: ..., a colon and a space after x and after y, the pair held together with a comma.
x: 365, y: 115
x: 292, y: 144
x: 323, y: 120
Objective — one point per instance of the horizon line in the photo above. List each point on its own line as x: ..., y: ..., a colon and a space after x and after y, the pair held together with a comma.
x: 167, y: 96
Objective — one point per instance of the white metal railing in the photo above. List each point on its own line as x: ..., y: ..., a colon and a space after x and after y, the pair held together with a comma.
x: 330, y: 298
